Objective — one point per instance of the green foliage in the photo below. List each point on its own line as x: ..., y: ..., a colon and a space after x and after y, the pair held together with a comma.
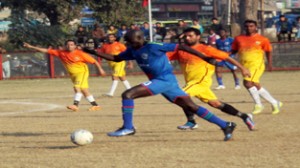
x: 60, y: 13
x: 117, y: 12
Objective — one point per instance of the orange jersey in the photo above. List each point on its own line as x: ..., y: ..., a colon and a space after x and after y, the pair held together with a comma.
x: 113, y: 49
x: 75, y: 61
x: 194, y: 68
x: 251, y: 48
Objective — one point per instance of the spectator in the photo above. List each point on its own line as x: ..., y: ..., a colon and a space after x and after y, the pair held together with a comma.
x: 5, y: 63
x: 133, y: 27
x: 98, y: 34
x: 196, y: 25
x: 121, y: 33
x: 171, y: 36
x: 81, y: 35
x: 160, y: 32
x: 216, y: 26
x: 212, y: 38
x: 146, y: 30
x: 112, y: 30
x: 283, y: 27
x: 298, y: 29
x: 181, y: 26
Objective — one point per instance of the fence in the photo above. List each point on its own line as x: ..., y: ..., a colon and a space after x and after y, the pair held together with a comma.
x: 28, y: 65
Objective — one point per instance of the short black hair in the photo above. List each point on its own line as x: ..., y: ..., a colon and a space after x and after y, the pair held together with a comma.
x: 70, y: 40
x: 214, y: 18
x: 191, y: 29
x: 112, y: 34
x: 281, y: 16
x: 250, y: 21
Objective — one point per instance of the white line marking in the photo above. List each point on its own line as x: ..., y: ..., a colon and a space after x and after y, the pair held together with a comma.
x: 41, y: 107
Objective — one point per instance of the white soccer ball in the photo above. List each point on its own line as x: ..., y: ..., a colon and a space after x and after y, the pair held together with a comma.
x: 82, y: 137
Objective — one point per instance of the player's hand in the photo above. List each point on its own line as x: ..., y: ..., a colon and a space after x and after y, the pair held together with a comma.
x: 270, y: 68
x: 26, y: 45
x: 129, y: 65
x: 246, y: 73
x: 102, y: 73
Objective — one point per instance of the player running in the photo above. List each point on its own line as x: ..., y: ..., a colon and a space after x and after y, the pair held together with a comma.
x: 198, y: 77
x: 152, y: 59
x: 251, y: 48
x: 75, y: 61
x: 114, y: 47
x: 224, y: 44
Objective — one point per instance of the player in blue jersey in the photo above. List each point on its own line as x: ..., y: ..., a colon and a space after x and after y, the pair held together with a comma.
x: 152, y: 59
x: 224, y: 44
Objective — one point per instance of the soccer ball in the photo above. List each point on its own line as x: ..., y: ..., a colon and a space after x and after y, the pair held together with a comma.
x: 82, y: 137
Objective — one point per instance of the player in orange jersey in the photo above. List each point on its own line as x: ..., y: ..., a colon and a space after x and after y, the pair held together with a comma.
x: 198, y: 77
x: 75, y: 61
x: 251, y: 48
x: 114, y: 47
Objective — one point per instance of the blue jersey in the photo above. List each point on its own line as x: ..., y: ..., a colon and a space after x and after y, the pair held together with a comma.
x: 151, y: 58
x: 224, y: 45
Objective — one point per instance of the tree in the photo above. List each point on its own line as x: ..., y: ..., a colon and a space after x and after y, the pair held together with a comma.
x: 60, y: 13
x: 241, y: 11
x: 117, y: 12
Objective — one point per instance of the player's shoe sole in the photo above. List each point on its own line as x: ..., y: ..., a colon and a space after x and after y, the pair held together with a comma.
x: 94, y: 108
x: 73, y: 108
x: 228, y: 130
x: 277, y: 107
x: 187, y: 126
x: 249, y: 122
x: 122, y: 132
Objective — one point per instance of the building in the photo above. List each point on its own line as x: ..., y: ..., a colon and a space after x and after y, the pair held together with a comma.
x: 182, y: 9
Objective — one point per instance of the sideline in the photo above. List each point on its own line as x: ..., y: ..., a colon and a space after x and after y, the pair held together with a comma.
x: 41, y: 107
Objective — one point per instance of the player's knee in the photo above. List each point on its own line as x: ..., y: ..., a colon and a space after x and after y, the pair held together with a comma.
x: 215, y: 104
x: 126, y: 95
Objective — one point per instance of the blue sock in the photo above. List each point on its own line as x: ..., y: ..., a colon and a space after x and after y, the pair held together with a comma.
x: 127, y: 111
x: 237, y: 82
x: 209, y: 116
x: 220, y: 81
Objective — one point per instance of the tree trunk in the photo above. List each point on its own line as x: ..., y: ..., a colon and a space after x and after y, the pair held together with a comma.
x: 241, y: 11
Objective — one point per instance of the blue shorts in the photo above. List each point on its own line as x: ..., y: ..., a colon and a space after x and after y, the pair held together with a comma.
x: 169, y: 88
x: 227, y: 64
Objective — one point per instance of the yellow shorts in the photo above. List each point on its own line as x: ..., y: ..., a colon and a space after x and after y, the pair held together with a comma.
x: 118, y: 68
x: 200, y: 90
x: 80, y: 79
x: 256, y: 71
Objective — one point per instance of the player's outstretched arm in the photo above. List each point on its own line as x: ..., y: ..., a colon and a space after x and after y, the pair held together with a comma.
x: 245, y: 71
x: 44, y: 50
x: 100, y: 69
x: 104, y: 56
x: 198, y: 54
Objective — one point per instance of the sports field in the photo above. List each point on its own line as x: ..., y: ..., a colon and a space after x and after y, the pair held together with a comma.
x: 35, y: 128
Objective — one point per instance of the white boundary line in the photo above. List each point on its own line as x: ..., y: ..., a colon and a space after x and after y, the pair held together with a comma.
x: 41, y: 107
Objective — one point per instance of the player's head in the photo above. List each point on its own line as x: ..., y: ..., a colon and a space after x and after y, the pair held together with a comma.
x: 135, y: 38
x: 111, y: 38
x: 214, y: 20
x: 192, y: 36
x: 223, y: 33
x: 70, y: 45
x: 90, y: 43
x: 250, y: 26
